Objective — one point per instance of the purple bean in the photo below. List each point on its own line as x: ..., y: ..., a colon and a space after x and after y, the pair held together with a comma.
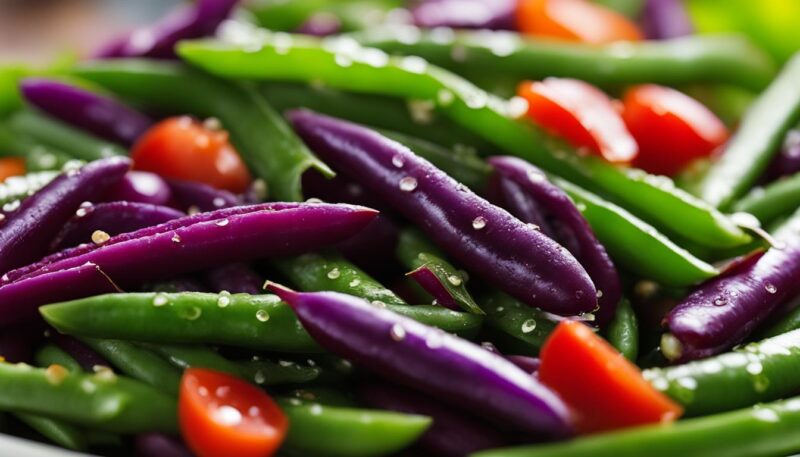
x: 189, y: 195
x: 787, y: 162
x: 723, y: 311
x: 452, y: 434
x: 528, y: 364
x: 486, y: 239
x: 112, y: 219
x: 320, y: 24
x: 143, y: 233
x: 469, y: 14
x: 236, y: 278
x: 239, y: 238
x: 567, y: 223
x: 158, y: 40
x: 160, y: 445
x: 432, y: 284
x: 102, y: 116
x: 25, y: 234
x: 140, y: 187
x: 424, y: 358
x: 665, y: 19
x: 510, y: 195
x: 86, y: 357
x: 19, y: 300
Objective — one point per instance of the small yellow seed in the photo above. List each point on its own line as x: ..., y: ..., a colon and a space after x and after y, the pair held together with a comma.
x: 99, y: 237
x: 56, y: 374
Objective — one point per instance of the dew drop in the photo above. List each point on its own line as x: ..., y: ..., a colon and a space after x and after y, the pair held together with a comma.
x: 354, y: 283
x: 176, y: 239
x: 599, y: 294
x: 315, y: 410
x: 479, y: 223
x: 445, y: 97
x: 224, y: 299
x: 192, y: 314
x: 770, y: 288
x: 398, y: 333
x: 408, y: 184
x: 754, y: 368
x: 398, y: 161
x: 160, y: 300
x: 262, y: 315
x: 455, y: 280
x: 218, y: 202
x: 227, y: 415
x: 334, y: 273
x: 720, y: 301
x: 529, y: 326
x: 99, y: 237
x: 222, y: 223
x: 259, y: 377
x: 536, y: 176
x: 533, y: 226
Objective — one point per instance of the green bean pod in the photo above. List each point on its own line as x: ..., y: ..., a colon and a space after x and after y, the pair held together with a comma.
x: 315, y: 272
x: 764, y: 430
x: 653, y: 255
x: 103, y: 401
x: 757, y: 140
x: 623, y: 331
x: 63, y: 434
x: 259, y: 55
x: 525, y: 328
x: 61, y: 137
x: 780, y: 198
x: 719, y: 59
x: 50, y: 354
x: 138, y: 363
x: 330, y: 431
x: 761, y: 371
x: 264, y: 140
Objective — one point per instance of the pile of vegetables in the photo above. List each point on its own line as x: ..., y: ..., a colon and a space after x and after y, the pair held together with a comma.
x: 441, y: 227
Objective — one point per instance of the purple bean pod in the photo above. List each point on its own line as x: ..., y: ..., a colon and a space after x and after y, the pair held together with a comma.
x: 424, y: 358
x: 466, y: 14
x: 486, y: 239
x: 19, y: 300
x: 191, y: 195
x: 508, y: 194
x: 203, y: 245
x: 112, y: 219
x: 787, y: 161
x: 723, y: 311
x: 236, y: 278
x: 140, y: 187
x: 567, y: 223
x: 452, y: 434
x: 434, y: 285
x: 158, y: 40
x: 160, y: 445
x: 25, y: 234
x: 321, y: 25
x: 665, y: 19
x: 86, y: 357
x: 144, y: 233
x: 529, y: 364
x: 102, y: 116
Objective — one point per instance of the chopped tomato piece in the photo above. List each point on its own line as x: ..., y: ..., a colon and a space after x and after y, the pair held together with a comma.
x: 182, y: 148
x: 11, y: 166
x: 581, y: 114
x: 671, y: 128
x: 221, y: 415
x: 604, y: 390
x: 574, y: 20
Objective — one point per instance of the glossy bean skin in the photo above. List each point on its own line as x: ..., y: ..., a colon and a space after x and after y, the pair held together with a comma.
x: 623, y: 331
x: 768, y: 203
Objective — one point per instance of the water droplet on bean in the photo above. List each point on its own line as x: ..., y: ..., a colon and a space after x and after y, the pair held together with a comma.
x: 479, y: 223
x: 398, y: 333
x: 262, y: 315
x: 408, y: 184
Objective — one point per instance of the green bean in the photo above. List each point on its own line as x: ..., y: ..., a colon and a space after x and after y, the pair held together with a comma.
x: 413, y: 118
x: 723, y: 59
x: 757, y: 140
x: 261, y: 136
x: 324, y: 395
x: 59, y: 136
x: 102, y: 400
x: 19, y: 187
x: 332, y: 431
x: 315, y: 272
x: 526, y: 328
x: 37, y: 156
x: 623, y: 331
x: 138, y: 363
x: 635, y: 245
x: 762, y: 371
x: 763, y: 430
x: 60, y: 433
x: 337, y: 64
x: 50, y: 354
x: 780, y: 198
x: 353, y: 14
x: 259, y: 371
x: 416, y: 252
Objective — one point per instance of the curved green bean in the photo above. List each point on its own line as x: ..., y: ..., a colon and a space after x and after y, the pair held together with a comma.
x: 331, y: 431
x: 103, y: 401
x: 724, y: 59
x: 50, y: 354
x: 780, y: 198
x: 761, y: 371
x: 60, y: 433
x: 757, y: 140
x: 336, y: 63
x: 261, y: 136
x: 623, y: 331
